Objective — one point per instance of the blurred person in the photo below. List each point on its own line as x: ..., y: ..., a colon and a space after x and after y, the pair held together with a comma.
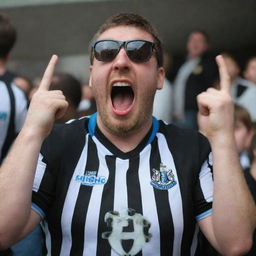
x: 122, y: 182
x: 246, y: 89
x: 234, y: 71
x: 25, y: 84
x: 197, y: 73
x: 243, y: 134
x: 162, y: 107
x: 71, y: 89
x: 13, y: 110
x: 250, y: 70
x: 13, y: 105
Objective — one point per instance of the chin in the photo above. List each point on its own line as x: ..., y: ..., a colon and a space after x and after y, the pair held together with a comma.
x: 121, y: 127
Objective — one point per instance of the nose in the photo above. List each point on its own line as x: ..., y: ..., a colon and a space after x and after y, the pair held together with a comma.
x: 121, y: 61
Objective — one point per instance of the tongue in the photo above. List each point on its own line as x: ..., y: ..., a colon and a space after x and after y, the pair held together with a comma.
x: 122, y: 101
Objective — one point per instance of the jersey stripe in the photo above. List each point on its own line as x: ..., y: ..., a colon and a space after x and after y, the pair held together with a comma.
x: 70, y: 203
x: 133, y: 185
x: 163, y: 206
x: 205, y: 178
x: 106, y: 205
x: 174, y: 195
x: 120, y: 198
x: 92, y: 237
x: 83, y: 201
x: 148, y: 203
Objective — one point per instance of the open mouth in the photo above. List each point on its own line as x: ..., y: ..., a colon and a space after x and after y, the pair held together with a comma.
x: 122, y: 96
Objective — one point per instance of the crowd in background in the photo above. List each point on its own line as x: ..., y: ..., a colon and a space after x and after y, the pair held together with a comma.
x: 175, y: 103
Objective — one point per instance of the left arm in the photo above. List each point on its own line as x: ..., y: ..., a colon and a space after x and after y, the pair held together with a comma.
x: 233, y: 220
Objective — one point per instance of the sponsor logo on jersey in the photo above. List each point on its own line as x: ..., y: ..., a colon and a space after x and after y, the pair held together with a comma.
x: 163, y: 178
x: 90, y: 178
x: 129, y: 232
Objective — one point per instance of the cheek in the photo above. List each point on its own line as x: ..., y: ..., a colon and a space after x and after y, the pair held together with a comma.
x: 240, y: 138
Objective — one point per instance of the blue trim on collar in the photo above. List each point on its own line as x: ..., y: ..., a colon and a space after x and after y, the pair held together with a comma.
x: 154, y: 130
x: 93, y: 122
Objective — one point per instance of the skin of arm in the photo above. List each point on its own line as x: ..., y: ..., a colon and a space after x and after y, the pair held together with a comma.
x: 233, y: 220
x: 18, y: 169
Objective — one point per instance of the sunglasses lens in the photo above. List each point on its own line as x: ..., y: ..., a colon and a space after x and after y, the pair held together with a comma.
x: 106, y: 50
x: 139, y: 51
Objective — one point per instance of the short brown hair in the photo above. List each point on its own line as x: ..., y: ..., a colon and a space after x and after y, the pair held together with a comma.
x: 135, y: 20
x: 69, y: 85
x: 242, y: 115
x: 7, y: 35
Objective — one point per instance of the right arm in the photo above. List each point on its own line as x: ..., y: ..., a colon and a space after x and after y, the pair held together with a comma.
x: 18, y: 169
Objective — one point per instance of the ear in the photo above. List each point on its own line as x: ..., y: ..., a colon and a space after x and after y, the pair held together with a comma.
x: 160, y: 78
x: 249, y: 137
x: 90, y: 78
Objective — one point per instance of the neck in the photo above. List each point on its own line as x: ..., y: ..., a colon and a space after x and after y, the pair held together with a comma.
x: 127, y: 141
x: 2, y: 66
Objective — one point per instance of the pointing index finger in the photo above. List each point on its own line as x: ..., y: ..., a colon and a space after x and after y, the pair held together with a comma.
x: 48, y: 74
x: 225, y: 83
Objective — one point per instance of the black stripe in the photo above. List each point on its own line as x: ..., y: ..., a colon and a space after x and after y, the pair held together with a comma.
x: 11, y: 133
x: 163, y: 207
x: 133, y: 187
x: 81, y: 208
x: 69, y: 151
x: 103, y: 247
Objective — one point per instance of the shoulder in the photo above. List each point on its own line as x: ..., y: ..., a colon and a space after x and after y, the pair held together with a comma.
x: 71, y: 128
x: 65, y: 138
x: 18, y: 93
x: 185, y: 141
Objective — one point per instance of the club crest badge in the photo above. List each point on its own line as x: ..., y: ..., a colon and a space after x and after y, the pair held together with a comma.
x: 163, y: 178
x: 197, y: 70
x: 129, y: 231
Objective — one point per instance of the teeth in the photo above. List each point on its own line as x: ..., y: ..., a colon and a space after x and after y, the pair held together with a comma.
x: 122, y: 84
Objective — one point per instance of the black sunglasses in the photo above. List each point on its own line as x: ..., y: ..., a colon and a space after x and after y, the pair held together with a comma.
x: 137, y: 50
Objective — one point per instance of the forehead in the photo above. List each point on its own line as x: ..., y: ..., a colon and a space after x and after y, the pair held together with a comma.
x: 252, y: 63
x: 125, y: 33
x: 197, y: 36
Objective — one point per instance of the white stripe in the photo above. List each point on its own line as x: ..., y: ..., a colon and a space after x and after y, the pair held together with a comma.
x: 152, y: 248
x: 120, y: 200
x: 206, y: 180
x: 70, y: 203
x: 194, y: 241
x: 47, y: 238
x: 120, y: 194
x: 91, y: 231
x: 40, y: 170
x: 174, y: 194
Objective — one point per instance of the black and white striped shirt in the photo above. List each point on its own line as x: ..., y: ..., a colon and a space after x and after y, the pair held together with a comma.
x: 20, y: 109
x: 97, y: 200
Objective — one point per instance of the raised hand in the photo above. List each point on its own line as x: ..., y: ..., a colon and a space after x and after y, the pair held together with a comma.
x: 46, y: 106
x: 217, y: 105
